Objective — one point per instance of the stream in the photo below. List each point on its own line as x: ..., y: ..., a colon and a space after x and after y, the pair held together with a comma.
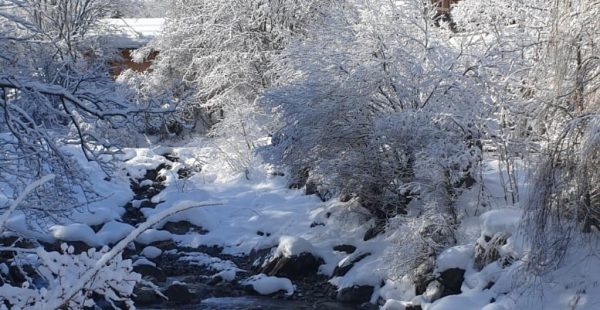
x: 195, y: 282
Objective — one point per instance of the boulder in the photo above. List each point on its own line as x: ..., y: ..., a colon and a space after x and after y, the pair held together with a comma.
x: 297, y: 266
x: 451, y: 281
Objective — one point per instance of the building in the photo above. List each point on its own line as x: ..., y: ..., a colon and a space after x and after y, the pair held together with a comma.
x: 131, y: 34
x: 444, y: 5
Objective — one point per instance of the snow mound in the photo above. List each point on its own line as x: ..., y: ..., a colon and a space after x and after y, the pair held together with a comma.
x: 142, y: 262
x: 392, y: 304
x: 456, y: 257
x: 500, y: 220
x: 226, y: 275
x: 151, y: 252
x: 266, y: 285
x: 112, y: 232
x: 153, y: 235
x: 290, y: 246
x: 75, y: 232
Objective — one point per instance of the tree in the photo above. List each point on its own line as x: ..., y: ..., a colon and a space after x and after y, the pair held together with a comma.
x: 55, y: 90
x: 566, y: 199
x: 216, y: 58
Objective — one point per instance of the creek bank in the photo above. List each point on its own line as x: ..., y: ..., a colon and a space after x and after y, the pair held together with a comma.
x: 192, y: 277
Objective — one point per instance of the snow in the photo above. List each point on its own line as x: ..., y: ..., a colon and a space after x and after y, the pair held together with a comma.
x: 153, y: 235
x: 500, y: 220
x: 290, y: 246
x: 456, y: 257
x: 146, y: 183
x: 151, y: 252
x: 142, y: 262
x: 227, y: 275
x: 284, y: 217
x: 392, y: 304
x: 225, y: 268
x: 133, y: 32
x: 112, y: 232
x: 466, y: 301
x: 75, y: 232
x: 266, y: 285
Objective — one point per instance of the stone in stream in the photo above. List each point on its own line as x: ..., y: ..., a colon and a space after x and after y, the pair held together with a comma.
x: 143, y: 296
x: 178, y: 293
x: 346, y: 248
x: 183, y: 227
x: 356, y: 294
x: 297, y: 266
x: 152, y: 272
x: 154, y: 174
x: 345, y: 265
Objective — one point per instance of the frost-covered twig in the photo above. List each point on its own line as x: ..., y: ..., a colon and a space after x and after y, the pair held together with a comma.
x: 89, y: 276
x: 22, y: 196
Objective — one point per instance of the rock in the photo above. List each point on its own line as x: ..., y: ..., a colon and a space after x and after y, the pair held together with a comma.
x: 164, y: 245
x: 451, y: 280
x: 179, y: 293
x: 171, y: 157
x: 147, y: 203
x: 145, y: 296
x: 78, y: 246
x: 154, y: 174
x: 297, y: 266
x: 434, y: 291
x: 349, y: 249
x: 186, y: 172
x: 311, y: 188
x: 151, y: 252
x: 16, y: 275
x: 132, y: 215
x: 423, y: 275
x: 152, y: 272
x: 347, y: 264
x: 487, y: 250
x: 413, y: 307
x: 356, y: 294
x: 375, y: 230
x: 183, y: 227
x: 368, y: 306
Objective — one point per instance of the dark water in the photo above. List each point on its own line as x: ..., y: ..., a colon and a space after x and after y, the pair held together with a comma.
x: 258, y: 303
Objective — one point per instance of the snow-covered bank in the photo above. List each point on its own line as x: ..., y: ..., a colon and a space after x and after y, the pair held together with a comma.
x: 485, y: 269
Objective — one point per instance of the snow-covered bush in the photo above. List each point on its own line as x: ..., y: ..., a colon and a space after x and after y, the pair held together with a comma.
x: 60, y: 271
x: 378, y: 105
x: 541, y: 58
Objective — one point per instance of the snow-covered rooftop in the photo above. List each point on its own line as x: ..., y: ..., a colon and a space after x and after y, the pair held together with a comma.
x: 133, y: 32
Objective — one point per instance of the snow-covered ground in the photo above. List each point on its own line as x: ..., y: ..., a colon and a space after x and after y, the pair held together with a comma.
x: 259, y: 211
